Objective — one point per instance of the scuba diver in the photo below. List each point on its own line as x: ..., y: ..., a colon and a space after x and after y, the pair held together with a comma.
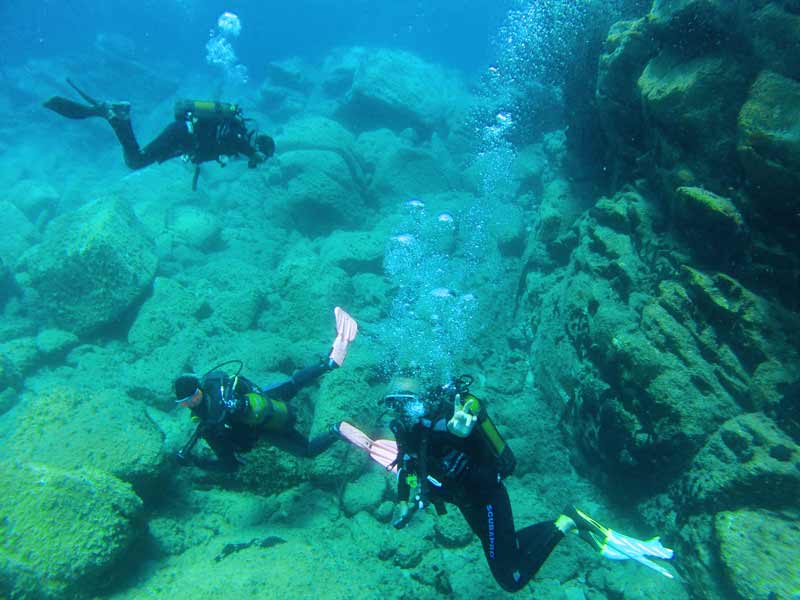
x: 202, y: 131
x: 448, y: 450
x: 233, y: 413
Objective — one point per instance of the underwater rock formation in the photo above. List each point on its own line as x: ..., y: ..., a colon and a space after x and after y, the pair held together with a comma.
x: 64, y: 531
x: 105, y: 430
x: 91, y: 267
x: 391, y: 88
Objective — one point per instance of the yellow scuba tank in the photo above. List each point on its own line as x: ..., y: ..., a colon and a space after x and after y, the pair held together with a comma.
x: 504, y: 456
x: 205, y: 110
x: 270, y: 415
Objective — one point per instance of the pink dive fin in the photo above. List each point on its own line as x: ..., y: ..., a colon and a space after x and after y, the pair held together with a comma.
x: 346, y: 330
x: 383, y: 452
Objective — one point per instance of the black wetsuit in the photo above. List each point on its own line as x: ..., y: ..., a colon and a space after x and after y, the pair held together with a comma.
x: 225, y: 418
x: 466, y: 474
x: 208, y: 140
x: 202, y: 131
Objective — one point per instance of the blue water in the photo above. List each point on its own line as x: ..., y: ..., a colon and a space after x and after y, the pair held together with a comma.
x: 454, y: 33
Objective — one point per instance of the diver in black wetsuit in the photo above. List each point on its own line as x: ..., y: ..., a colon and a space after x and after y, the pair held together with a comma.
x: 202, y: 131
x: 233, y: 413
x: 448, y: 450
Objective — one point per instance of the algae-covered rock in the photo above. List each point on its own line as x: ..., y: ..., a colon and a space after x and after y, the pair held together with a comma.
x: 34, y: 197
x: 392, y: 88
x: 63, y: 531
x: 401, y: 169
x: 10, y: 381
x: 18, y: 233
x: 711, y: 223
x: 55, y: 343
x: 709, y: 20
x: 92, y: 266
x: 775, y: 34
x: 769, y: 142
x: 194, y: 227
x: 169, y: 310
x: 627, y: 49
x: 319, y: 192
x: 365, y: 493
x: 749, y: 461
x: 22, y: 352
x: 759, y: 553
x: 707, y: 210
x: 755, y: 329
x: 69, y: 428
x: 695, y: 101
x: 355, y: 252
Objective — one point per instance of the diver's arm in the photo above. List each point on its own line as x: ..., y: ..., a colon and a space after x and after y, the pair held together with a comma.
x: 226, y: 460
x: 404, y: 510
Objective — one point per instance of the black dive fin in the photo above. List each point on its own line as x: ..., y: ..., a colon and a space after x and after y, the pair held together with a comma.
x: 74, y: 110
x: 83, y: 94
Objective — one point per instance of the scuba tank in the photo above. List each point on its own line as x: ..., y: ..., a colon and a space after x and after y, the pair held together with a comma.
x: 505, y: 461
x: 272, y: 415
x: 205, y: 110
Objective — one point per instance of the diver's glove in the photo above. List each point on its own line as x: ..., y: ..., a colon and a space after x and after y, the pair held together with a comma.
x: 404, y: 515
x: 614, y: 545
x: 462, y: 422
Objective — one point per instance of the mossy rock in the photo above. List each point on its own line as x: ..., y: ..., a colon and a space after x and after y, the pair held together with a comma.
x: 695, y: 100
x: 69, y: 427
x: 769, y: 142
x: 759, y: 553
x: 715, y: 213
x: 710, y: 21
x: 712, y: 224
x: 628, y: 47
x: 749, y: 461
x: 93, y: 265
x: 63, y: 532
x: 775, y: 34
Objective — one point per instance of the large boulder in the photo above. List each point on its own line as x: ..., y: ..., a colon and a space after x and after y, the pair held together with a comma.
x: 37, y: 199
x: 19, y: 233
x: 775, y: 32
x: 759, y: 553
x: 709, y: 21
x: 695, y: 101
x: 69, y: 427
x: 627, y: 50
x: 92, y: 266
x: 392, y: 88
x: 747, y: 462
x: 769, y: 142
x: 64, y: 532
x: 401, y: 169
x: 319, y: 193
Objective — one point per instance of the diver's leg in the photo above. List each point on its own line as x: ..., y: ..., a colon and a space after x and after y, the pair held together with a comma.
x: 536, y: 542
x: 296, y: 444
x: 489, y: 515
x: 173, y: 141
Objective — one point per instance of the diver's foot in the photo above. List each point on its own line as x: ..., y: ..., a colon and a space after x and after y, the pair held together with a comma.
x: 117, y: 111
x: 588, y: 529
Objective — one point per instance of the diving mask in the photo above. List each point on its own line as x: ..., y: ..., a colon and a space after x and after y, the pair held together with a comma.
x: 191, y: 400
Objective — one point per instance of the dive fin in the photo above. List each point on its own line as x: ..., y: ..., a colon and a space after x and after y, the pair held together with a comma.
x: 74, y: 110
x: 83, y: 94
x: 346, y: 330
x: 617, y: 546
x: 383, y: 452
